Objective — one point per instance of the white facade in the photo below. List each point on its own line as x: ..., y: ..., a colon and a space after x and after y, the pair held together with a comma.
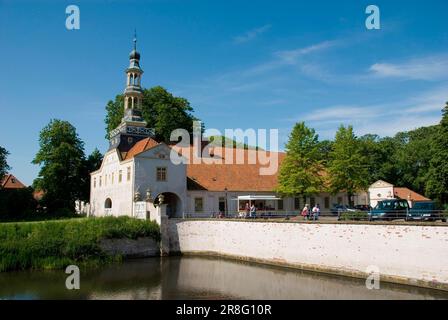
x: 118, y: 186
x: 113, y: 182
x: 380, y: 190
x: 115, y: 186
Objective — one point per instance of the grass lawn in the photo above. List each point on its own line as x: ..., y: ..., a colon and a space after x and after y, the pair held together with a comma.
x: 55, y: 244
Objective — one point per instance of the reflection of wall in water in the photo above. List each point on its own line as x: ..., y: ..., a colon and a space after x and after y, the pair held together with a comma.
x: 253, y: 281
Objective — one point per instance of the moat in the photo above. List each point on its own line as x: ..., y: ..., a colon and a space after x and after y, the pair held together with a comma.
x: 199, y: 278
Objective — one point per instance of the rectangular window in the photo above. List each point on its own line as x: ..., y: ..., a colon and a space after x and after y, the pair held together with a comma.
x: 280, y: 204
x: 94, y: 182
x: 101, y: 180
x: 327, y: 202
x: 198, y: 204
x: 339, y: 200
x: 297, y: 203
x: 112, y: 178
x: 129, y: 174
x: 120, y: 176
x: 161, y: 174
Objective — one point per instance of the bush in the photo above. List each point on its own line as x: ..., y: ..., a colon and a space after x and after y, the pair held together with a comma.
x: 16, y: 203
x: 56, y: 244
x: 357, y: 215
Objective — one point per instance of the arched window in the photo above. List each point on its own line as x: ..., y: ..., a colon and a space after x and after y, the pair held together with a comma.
x: 108, y: 204
x: 132, y: 78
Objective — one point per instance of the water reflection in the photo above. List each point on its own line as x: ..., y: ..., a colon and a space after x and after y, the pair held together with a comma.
x: 198, y: 278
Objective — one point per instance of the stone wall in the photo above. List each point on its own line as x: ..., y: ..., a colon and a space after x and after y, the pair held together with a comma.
x: 129, y: 248
x: 408, y: 254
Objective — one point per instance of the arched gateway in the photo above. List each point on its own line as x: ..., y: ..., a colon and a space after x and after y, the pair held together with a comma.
x: 173, y: 204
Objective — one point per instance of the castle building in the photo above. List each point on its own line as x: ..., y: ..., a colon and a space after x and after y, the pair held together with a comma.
x: 137, y: 169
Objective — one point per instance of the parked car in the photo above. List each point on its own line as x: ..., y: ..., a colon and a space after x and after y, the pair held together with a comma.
x: 390, y: 210
x: 338, y: 208
x: 363, y: 207
x: 425, y: 211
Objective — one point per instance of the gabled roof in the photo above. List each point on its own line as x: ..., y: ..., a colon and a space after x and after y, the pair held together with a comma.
x: 139, y: 147
x: 408, y: 194
x: 11, y: 182
x: 381, y: 184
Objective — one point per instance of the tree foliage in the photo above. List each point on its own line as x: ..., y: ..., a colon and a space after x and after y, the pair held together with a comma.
x: 61, y: 158
x: 437, y: 178
x: 347, y: 168
x: 4, y: 167
x: 301, y: 170
x: 160, y: 109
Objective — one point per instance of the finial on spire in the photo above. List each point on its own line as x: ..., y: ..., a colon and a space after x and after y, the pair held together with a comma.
x: 135, y: 39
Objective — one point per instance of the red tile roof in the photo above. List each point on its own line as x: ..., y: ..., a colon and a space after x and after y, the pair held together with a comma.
x: 408, y: 194
x: 217, y: 177
x: 11, y: 182
x: 234, y: 177
x: 139, y: 147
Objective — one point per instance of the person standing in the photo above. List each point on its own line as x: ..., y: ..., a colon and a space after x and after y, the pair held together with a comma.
x: 305, y: 212
x: 247, y: 209
x: 253, y: 211
x: 316, y: 212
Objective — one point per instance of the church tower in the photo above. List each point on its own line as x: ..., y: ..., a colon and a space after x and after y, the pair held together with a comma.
x: 132, y: 127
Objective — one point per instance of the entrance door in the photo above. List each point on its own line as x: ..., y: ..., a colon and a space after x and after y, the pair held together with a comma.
x: 222, y: 204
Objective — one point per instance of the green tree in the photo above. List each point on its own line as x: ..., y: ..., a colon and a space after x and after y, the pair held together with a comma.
x: 437, y: 178
x: 4, y: 167
x: 347, y: 170
x: 325, y: 147
x: 61, y: 158
x: 301, y: 170
x: 160, y: 109
x: 413, y: 156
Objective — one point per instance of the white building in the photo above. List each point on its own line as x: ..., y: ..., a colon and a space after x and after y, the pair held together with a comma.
x: 137, y: 170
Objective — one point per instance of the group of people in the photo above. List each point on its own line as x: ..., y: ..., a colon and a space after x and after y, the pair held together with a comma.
x: 250, y: 210
x: 312, y: 214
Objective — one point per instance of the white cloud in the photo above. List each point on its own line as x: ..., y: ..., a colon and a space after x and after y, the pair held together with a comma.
x: 384, y: 119
x: 433, y: 67
x: 291, y: 56
x: 339, y: 113
x: 251, y: 34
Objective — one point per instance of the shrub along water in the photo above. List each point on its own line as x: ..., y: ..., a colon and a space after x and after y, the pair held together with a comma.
x: 56, y: 244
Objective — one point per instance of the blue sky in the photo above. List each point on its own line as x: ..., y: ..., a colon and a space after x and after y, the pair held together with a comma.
x: 251, y: 64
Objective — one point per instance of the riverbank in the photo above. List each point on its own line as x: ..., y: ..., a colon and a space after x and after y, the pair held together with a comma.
x: 56, y: 244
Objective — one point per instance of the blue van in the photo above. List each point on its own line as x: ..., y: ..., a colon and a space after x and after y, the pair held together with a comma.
x: 425, y: 211
x: 390, y: 209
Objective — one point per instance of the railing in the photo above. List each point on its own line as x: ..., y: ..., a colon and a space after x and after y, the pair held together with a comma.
x: 330, y: 215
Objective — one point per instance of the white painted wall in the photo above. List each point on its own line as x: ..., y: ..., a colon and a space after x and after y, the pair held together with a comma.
x: 119, y: 192
x: 146, y: 164
x: 411, y: 253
